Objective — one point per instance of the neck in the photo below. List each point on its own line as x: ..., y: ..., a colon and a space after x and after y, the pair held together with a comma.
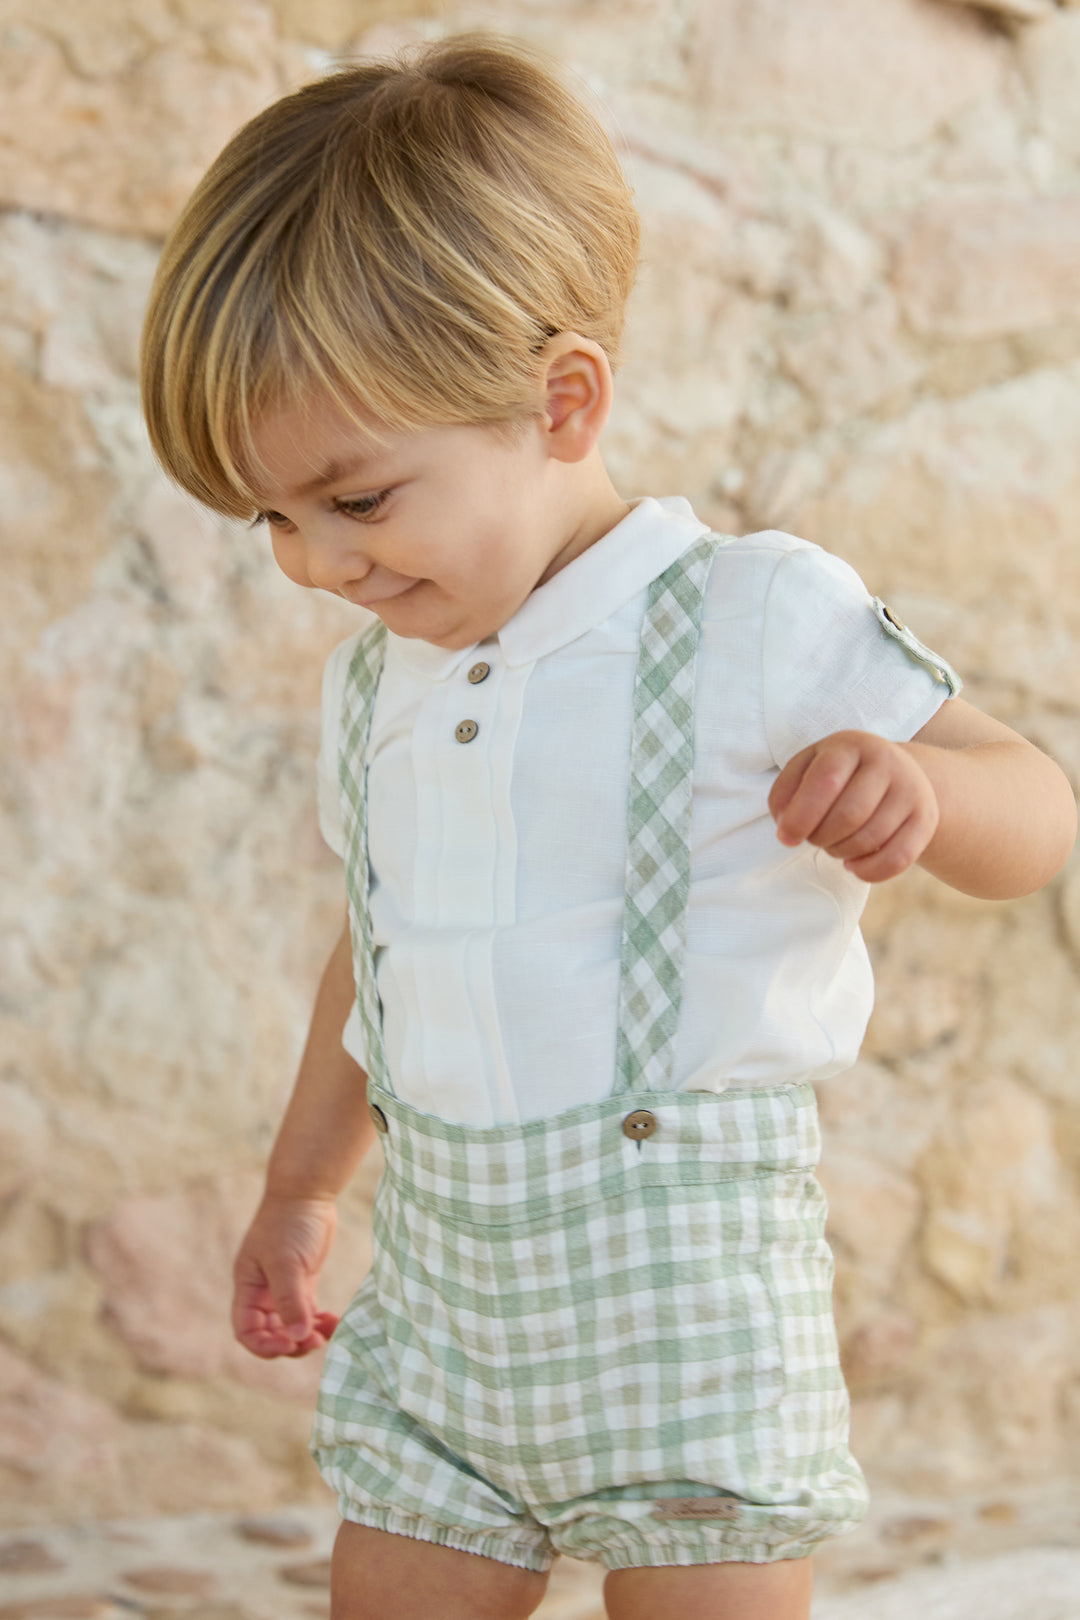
x: 593, y: 508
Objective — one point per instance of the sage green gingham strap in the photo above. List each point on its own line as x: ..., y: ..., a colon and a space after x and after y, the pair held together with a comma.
x: 358, y: 703
x: 658, y: 824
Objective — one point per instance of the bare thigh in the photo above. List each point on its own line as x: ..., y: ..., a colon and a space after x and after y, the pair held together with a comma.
x: 778, y: 1591
x: 375, y: 1575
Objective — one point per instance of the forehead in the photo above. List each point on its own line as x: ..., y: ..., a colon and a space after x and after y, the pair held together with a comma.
x: 298, y: 448
x: 302, y: 445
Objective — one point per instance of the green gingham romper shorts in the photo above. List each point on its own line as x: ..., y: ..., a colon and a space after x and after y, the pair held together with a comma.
x: 607, y: 1333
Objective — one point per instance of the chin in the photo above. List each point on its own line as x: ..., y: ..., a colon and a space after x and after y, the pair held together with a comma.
x: 449, y: 635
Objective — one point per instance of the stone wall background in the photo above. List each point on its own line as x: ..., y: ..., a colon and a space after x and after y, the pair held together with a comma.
x: 857, y: 319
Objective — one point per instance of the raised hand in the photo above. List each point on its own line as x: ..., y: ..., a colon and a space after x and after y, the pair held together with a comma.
x: 859, y: 797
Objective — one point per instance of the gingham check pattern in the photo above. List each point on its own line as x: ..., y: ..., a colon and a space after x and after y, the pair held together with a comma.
x: 562, y: 1324
x: 658, y: 823
x: 556, y: 1311
x: 361, y: 684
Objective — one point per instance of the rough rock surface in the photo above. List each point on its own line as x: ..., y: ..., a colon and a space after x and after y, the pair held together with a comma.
x: 856, y: 320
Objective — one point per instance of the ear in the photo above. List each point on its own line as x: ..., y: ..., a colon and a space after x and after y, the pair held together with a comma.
x: 578, y: 391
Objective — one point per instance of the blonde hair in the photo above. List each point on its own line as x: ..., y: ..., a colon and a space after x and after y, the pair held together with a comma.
x: 405, y: 234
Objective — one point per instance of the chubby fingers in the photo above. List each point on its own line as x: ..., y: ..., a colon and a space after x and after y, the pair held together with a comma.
x: 859, y: 797
x: 276, y: 1321
x: 259, y: 1328
x: 811, y: 786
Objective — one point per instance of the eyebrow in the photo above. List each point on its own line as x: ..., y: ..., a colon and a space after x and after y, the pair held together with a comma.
x: 331, y: 473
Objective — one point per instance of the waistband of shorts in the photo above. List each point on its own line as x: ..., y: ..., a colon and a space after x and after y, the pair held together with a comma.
x: 505, y: 1173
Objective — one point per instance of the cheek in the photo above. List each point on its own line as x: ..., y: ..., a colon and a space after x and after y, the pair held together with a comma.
x: 289, y: 555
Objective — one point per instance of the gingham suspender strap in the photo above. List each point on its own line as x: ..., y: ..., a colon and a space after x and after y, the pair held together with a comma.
x: 658, y: 827
x: 361, y: 684
x: 658, y: 824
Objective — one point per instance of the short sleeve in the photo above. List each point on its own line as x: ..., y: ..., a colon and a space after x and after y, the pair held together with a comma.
x: 832, y: 664
x: 327, y: 781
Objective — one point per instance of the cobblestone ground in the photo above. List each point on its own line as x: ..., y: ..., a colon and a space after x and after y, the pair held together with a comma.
x: 1012, y: 1557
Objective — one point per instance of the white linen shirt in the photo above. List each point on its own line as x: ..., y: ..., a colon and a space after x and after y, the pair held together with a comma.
x: 497, y: 865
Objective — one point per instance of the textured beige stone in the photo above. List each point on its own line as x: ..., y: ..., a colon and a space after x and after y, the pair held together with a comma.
x: 872, y: 1211
x: 1031, y: 973
x: 1070, y: 909
x: 1020, y: 10
x: 100, y: 40
x: 878, y: 1349
x: 994, y: 1176
x: 169, y: 1312
x: 966, y: 1252
x: 70, y: 143
x: 922, y: 1002
x: 215, y: 1611
x: 998, y: 474
x: 918, y: 1528
x: 173, y: 1465
x: 990, y: 148
x: 27, y: 1558
x: 853, y: 362
x: 684, y: 313
x: 836, y: 264
x: 1038, y: 1583
x: 174, y: 1582
x: 173, y: 1314
x: 886, y: 76
x: 275, y: 1532
x: 875, y: 1112
x: 79, y: 295
x: 988, y: 1404
x: 1050, y: 59
x: 32, y: 1238
x: 316, y: 1573
x: 24, y: 1136
x: 68, y: 1606
x: 973, y: 267
x: 47, y: 1430
x: 333, y: 23
x: 55, y: 491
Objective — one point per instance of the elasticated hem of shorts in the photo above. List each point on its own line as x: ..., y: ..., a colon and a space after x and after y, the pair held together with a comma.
x: 649, y: 1552
x: 485, y: 1544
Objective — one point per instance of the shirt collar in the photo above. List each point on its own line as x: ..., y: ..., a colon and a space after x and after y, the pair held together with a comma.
x: 592, y: 587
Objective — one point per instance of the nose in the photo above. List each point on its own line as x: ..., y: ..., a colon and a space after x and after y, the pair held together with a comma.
x: 331, y: 563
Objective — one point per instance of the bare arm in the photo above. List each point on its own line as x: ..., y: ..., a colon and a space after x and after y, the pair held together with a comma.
x: 327, y: 1128
x: 1007, y: 815
x: 324, y: 1135
x: 969, y: 799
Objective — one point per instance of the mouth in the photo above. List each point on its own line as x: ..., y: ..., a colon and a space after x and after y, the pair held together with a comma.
x: 372, y: 599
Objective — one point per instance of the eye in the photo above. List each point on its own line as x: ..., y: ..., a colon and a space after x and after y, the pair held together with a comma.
x: 276, y: 520
x: 362, y: 507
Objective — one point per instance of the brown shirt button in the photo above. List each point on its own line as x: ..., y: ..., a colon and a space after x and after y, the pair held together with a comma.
x: 378, y: 1118
x: 638, y: 1125
x: 466, y: 731
x: 479, y: 672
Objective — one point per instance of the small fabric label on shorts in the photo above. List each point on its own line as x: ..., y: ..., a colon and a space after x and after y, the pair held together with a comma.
x: 696, y: 1507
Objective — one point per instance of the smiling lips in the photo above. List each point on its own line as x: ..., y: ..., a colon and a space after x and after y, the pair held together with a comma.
x: 371, y: 599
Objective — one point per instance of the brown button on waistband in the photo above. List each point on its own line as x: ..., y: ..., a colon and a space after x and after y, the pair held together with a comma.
x: 378, y: 1118
x: 479, y: 672
x: 638, y: 1125
x: 466, y: 731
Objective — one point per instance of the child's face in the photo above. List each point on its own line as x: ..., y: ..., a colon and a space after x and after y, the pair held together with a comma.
x: 442, y: 532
